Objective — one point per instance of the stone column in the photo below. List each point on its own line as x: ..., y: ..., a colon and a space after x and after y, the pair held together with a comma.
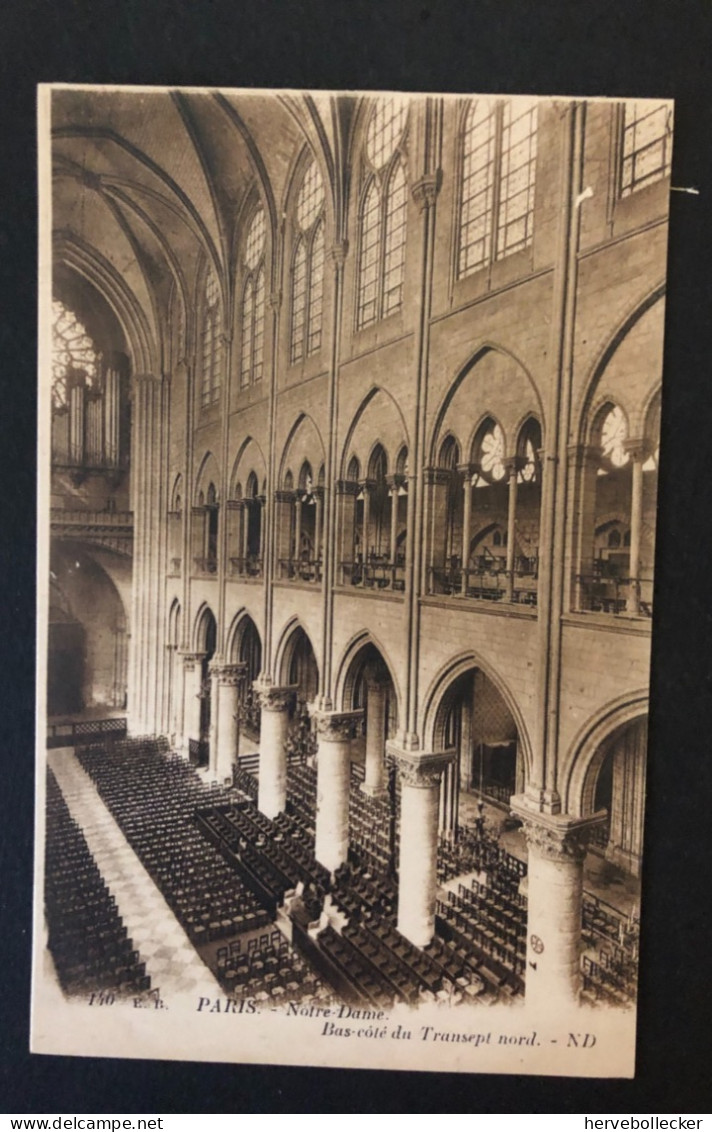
x: 557, y: 849
x: 335, y: 731
x: 318, y: 503
x: 192, y: 683
x: 374, y: 783
x: 417, y: 865
x: 513, y: 466
x: 225, y: 712
x: 466, y: 473
x: 276, y: 704
x: 636, y: 450
x: 366, y: 488
x: 297, y: 530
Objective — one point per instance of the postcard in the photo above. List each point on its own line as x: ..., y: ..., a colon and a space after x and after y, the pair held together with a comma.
x: 348, y: 461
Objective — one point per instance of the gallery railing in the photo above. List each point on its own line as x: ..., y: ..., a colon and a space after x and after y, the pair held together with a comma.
x: 206, y: 565
x: 376, y: 574
x: 487, y: 582
x: 84, y: 731
x: 249, y: 567
x: 596, y: 593
x: 299, y: 570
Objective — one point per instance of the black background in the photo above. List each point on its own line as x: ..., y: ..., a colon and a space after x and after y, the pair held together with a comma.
x: 611, y: 48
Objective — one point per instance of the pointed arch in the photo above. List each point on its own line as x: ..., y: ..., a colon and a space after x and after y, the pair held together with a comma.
x: 439, y: 686
x: 500, y: 365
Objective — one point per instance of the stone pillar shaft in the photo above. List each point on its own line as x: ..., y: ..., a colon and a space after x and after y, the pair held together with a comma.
x: 636, y: 523
x: 557, y: 850
x: 511, y: 527
x: 224, y: 738
x: 375, y: 780
x: 466, y: 523
x: 192, y: 684
x: 417, y: 866
x: 275, y: 704
x: 335, y: 731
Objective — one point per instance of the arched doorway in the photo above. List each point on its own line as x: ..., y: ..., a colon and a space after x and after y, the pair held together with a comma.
x: 620, y: 789
x: 299, y: 667
x: 206, y: 641
x: 374, y: 800
x: 247, y: 650
x: 475, y: 724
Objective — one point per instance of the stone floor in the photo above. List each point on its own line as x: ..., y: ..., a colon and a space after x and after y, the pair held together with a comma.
x: 171, y: 960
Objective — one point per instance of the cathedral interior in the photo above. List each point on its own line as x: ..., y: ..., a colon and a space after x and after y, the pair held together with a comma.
x: 355, y: 409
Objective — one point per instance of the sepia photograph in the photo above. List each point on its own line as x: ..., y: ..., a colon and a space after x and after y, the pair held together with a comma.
x: 349, y: 413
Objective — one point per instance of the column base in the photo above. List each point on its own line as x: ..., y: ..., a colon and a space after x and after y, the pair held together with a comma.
x: 378, y: 792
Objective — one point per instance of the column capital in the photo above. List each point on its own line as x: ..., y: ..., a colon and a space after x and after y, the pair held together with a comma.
x: 191, y: 659
x: 228, y: 675
x: 421, y: 769
x: 347, y: 487
x: 283, y: 495
x: 466, y: 471
x: 275, y: 301
x: 395, y: 480
x: 637, y: 448
x: 586, y: 453
x: 556, y: 837
x: 337, y: 726
x: 514, y: 464
x: 425, y: 190
x: 436, y: 476
x: 338, y: 253
x: 275, y: 697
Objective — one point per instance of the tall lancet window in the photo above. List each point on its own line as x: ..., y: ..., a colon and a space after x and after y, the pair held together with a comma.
x: 253, y: 302
x: 308, y: 267
x: 383, y: 214
x: 212, y: 342
x: 497, y: 181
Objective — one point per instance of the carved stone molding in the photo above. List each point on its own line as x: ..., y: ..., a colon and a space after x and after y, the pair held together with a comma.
x: 420, y: 769
x: 514, y: 464
x: 437, y: 476
x: 556, y: 837
x: 275, y: 697
x: 275, y: 301
x: 229, y: 675
x: 637, y: 448
x: 425, y: 191
x: 338, y: 252
x: 347, y: 487
x: 337, y: 726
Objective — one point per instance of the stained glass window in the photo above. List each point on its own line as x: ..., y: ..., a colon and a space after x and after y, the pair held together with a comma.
x: 516, y: 184
x: 614, y: 434
x: 383, y: 217
x: 385, y: 129
x: 210, y: 383
x: 477, y: 187
x: 647, y: 145
x: 308, y: 267
x: 499, y: 147
x: 492, y: 453
x: 253, y: 302
x: 73, y: 350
